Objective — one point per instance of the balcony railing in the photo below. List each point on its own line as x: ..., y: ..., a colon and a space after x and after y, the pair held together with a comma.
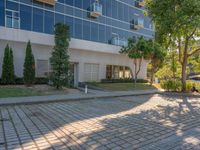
x: 139, y: 3
x: 119, y: 41
x: 49, y: 2
x: 137, y: 24
x: 96, y: 9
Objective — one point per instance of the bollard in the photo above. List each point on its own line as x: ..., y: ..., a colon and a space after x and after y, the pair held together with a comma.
x: 86, y: 89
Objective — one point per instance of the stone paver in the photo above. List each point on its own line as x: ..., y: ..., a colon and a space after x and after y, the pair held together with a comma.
x: 147, y: 122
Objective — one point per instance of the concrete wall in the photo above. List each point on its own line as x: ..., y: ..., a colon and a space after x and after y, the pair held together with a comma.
x: 80, y: 51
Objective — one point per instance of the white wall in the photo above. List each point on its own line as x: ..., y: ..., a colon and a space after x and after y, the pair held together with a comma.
x: 81, y: 51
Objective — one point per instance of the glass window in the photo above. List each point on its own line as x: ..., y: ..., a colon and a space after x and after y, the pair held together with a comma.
x: 69, y: 21
x: 37, y: 20
x: 12, y: 19
x: 26, y: 1
x: 94, y: 32
x: 86, y: 30
x: 114, y: 9
x: 121, y: 11
x: 12, y: 5
x: 78, y: 13
x: 25, y: 16
x: 86, y: 4
x: 59, y: 7
x: 108, y: 34
x: 69, y: 10
x: 78, y: 3
x: 69, y: 2
x: 9, y: 21
x: 2, y: 13
x: 126, y: 14
x: 102, y: 33
x: 108, y: 8
x: 48, y: 22
x: 78, y: 28
x: 59, y: 18
x: 61, y: 1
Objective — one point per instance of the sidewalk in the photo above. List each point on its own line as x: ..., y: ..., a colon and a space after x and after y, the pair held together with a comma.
x: 69, y: 97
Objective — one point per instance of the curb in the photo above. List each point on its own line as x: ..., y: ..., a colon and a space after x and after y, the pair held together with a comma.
x: 64, y: 99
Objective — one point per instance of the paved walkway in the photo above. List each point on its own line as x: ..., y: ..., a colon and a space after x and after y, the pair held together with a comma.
x: 77, y: 96
x: 148, y: 122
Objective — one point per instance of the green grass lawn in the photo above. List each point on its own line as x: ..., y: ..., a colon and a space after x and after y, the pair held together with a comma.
x: 17, y: 92
x: 122, y: 86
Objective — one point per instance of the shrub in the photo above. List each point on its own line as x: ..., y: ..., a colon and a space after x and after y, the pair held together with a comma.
x: 39, y: 80
x: 29, y: 66
x: 175, y: 85
x: 8, y: 67
x: 171, y: 85
x: 123, y: 81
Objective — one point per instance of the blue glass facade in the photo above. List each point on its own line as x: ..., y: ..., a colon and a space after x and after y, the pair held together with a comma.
x: 115, y: 19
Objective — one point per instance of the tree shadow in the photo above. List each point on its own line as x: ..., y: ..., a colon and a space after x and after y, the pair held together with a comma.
x: 148, y: 122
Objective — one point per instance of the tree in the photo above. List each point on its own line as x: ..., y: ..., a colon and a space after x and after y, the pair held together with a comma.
x: 8, y: 76
x: 60, y: 58
x: 157, y: 56
x: 137, y: 50
x: 177, y: 22
x: 29, y: 66
x: 11, y: 66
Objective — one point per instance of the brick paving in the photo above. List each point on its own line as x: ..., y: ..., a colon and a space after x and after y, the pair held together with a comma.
x: 150, y: 122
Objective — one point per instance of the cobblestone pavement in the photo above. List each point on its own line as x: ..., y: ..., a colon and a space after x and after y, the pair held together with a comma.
x: 142, y: 122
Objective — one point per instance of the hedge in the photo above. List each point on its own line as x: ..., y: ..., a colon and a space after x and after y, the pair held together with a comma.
x: 175, y: 85
x: 123, y: 81
x: 37, y: 81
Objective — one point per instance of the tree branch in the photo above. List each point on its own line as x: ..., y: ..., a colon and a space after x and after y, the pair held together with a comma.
x: 194, y: 52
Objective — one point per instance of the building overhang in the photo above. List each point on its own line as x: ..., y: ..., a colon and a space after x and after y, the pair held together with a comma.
x: 24, y: 36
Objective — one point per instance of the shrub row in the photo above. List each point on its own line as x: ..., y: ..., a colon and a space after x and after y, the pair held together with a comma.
x: 36, y: 81
x: 175, y: 85
x: 123, y: 81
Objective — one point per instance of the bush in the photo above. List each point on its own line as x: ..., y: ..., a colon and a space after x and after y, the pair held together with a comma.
x: 29, y: 66
x: 123, y: 81
x: 171, y: 85
x: 8, y: 74
x: 175, y: 85
x: 20, y: 81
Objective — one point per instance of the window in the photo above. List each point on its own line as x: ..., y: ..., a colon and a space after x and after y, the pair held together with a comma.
x: 2, y: 13
x: 48, y: 22
x: 118, y: 72
x: 12, y: 19
x: 86, y: 30
x: 26, y: 17
x: 42, y: 68
x: 37, y: 20
x: 78, y: 28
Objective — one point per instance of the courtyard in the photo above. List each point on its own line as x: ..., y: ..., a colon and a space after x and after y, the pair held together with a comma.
x: 139, y: 122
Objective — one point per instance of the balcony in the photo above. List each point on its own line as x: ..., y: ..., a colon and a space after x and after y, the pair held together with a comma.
x: 49, y: 2
x: 139, y: 3
x: 96, y: 9
x: 137, y: 24
x: 119, y: 41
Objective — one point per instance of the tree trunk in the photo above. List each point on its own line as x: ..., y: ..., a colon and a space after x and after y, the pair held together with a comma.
x: 152, y: 76
x: 135, y: 69
x: 184, y: 66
